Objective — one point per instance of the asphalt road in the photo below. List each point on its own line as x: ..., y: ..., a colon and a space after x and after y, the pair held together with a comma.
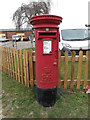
x: 18, y: 45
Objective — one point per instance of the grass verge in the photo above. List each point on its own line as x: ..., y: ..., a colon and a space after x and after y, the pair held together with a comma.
x: 19, y: 101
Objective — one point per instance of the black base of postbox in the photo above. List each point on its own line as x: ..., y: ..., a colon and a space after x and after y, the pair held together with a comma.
x: 46, y: 97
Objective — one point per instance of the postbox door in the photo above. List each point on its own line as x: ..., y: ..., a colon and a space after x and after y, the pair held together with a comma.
x: 47, y: 62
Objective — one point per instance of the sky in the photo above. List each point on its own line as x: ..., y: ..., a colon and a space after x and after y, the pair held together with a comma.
x: 73, y: 12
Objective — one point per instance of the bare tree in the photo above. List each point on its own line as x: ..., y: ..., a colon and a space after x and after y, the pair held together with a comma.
x: 23, y: 14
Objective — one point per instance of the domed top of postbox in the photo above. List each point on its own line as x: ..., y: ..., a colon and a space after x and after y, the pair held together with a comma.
x: 45, y: 20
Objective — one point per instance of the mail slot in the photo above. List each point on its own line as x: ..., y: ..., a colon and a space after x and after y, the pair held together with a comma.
x: 46, y: 51
x: 44, y: 34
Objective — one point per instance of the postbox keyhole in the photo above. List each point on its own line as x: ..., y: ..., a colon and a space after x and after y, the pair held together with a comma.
x: 56, y: 53
x: 55, y: 58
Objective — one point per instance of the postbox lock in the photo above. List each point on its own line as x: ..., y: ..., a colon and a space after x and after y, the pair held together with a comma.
x: 47, y: 29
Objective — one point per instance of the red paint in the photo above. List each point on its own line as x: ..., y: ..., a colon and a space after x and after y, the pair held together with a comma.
x: 46, y: 32
x: 87, y: 88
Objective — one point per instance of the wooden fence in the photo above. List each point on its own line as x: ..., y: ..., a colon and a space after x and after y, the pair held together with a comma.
x: 20, y: 64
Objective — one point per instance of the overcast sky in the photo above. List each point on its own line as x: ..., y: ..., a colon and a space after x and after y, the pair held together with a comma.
x: 73, y: 12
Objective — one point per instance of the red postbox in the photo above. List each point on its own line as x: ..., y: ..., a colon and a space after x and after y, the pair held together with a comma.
x: 46, y: 47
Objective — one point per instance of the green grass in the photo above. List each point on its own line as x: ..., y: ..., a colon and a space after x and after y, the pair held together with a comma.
x: 19, y: 101
x: 69, y: 70
x: 29, y: 49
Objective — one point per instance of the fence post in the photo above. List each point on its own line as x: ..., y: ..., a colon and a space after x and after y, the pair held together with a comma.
x: 4, y: 60
x: 15, y: 62
x: 59, y: 69
x: 21, y: 61
x: 8, y: 59
x: 9, y: 63
x: 6, y: 66
x: 79, y: 69
x: 31, y: 68
x: 66, y: 70
x: 0, y: 57
x: 72, y: 69
x: 25, y: 73
x: 86, y: 72
x: 17, y: 51
x: 12, y: 62
x: 27, y: 67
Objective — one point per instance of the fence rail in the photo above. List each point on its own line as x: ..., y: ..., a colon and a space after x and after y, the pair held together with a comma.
x: 20, y: 64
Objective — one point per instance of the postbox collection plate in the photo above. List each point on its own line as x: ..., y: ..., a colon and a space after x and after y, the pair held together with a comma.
x: 47, y: 46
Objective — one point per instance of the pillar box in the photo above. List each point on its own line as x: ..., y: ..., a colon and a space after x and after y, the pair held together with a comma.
x: 46, y: 47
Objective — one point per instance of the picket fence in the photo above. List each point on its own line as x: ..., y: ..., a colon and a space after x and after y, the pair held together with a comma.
x: 20, y: 64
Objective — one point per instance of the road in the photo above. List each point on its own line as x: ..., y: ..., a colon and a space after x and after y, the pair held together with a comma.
x: 18, y: 45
